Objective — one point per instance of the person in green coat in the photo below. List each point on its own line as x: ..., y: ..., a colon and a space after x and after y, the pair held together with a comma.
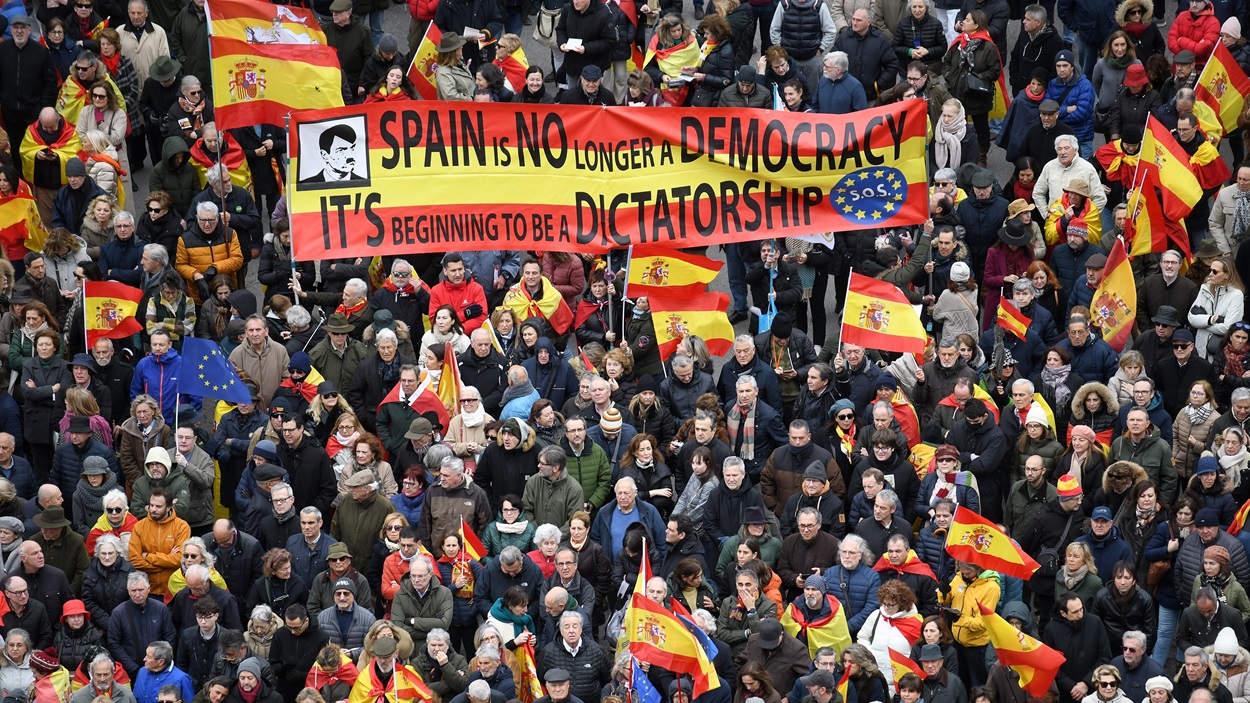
x: 551, y: 496
x: 587, y: 464
x: 757, y: 542
x: 511, y: 528
x: 1217, y: 573
x: 358, y: 521
x: 159, y: 470
x: 742, y: 611
x: 421, y: 605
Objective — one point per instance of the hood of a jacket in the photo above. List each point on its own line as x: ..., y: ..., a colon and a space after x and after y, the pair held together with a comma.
x: 171, y: 148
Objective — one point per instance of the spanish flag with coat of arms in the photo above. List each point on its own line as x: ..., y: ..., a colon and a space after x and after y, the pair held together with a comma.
x: 262, y: 83
x: 878, y: 316
x: 1114, y: 308
x: 703, y: 314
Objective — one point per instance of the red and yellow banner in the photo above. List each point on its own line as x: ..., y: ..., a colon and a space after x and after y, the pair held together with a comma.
x: 978, y: 541
x: 262, y: 83
x: 1036, y: 663
x: 1223, y: 86
x: 1011, y: 319
x: 259, y: 22
x: 1114, y: 307
x: 425, y: 63
x: 878, y: 316
x: 110, y: 310
x: 702, y: 314
x: 563, y: 178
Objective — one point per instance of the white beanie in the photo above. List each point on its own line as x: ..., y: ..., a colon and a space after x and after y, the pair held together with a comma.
x: 1232, y: 27
x: 1158, y: 682
x: 1036, y: 414
x: 1226, y: 642
x: 960, y: 273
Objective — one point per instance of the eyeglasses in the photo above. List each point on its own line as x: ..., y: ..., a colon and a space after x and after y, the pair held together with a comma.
x: 470, y: 401
x: 278, y: 414
x: 1130, y: 650
x: 1106, y: 684
x: 394, y: 528
x: 401, y: 275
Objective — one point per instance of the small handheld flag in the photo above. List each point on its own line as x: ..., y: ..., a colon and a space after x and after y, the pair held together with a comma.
x: 206, y: 372
x: 471, y: 544
x: 1011, y: 319
x: 978, y: 541
x: 111, y: 310
x: 878, y: 316
x: 1036, y: 663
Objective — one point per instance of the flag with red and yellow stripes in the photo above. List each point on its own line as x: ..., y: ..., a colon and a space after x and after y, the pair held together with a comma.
x: 1239, y: 520
x: 704, y: 314
x: 262, y: 83
x: 1166, y: 165
x: 470, y: 544
x: 1223, y: 86
x: 425, y: 63
x: 1011, y: 319
x: 878, y: 316
x: 110, y: 310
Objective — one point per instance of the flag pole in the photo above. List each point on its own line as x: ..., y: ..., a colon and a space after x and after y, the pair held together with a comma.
x: 294, y: 282
x: 86, y: 341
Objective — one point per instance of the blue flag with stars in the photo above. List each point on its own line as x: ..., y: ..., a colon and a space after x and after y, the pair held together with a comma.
x: 206, y: 372
x: 644, y: 692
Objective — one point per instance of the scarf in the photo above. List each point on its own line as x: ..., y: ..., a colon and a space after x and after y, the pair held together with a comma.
x: 388, y: 371
x: 1234, y: 361
x: 1120, y: 63
x: 475, y: 418
x: 30, y: 333
x: 648, y: 466
x: 1057, y: 378
x: 1134, y: 30
x: 1199, y: 415
x: 1228, y: 461
x: 1123, y: 600
x: 514, y: 392
x: 1072, y: 579
x: 348, y: 312
x: 1241, y: 218
x: 1219, y: 582
x: 249, y: 697
x: 194, y: 111
x: 847, y: 441
x: 948, y: 140
x: 1145, y: 516
x: 947, y: 484
x: 512, y: 528
x: 1023, y: 190
x: 112, y: 64
x: 742, y: 423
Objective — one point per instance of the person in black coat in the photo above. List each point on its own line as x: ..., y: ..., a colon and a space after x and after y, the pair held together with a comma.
x: 720, y: 66
x: 275, y: 268
x: 197, y: 645
x: 238, y: 558
x: 1039, y: 142
x: 871, y: 53
x: 104, y: 586
x: 998, y: 12
x: 982, y: 450
x: 369, y: 388
x: 314, y: 483
x: 920, y: 36
x: 592, y: 23
x: 1081, y: 637
x: 1035, y: 48
x: 294, y: 649
x: 784, y: 288
x: 28, y: 82
x: 1137, y: 613
x: 264, y: 145
x: 251, y: 686
x: 588, y: 88
x: 483, y: 15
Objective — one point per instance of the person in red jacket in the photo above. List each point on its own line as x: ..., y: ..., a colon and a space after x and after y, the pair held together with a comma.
x: 1197, y: 30
x: 466, y: 297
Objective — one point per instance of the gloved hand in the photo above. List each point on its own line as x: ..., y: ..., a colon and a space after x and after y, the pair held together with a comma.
x: 202, y: 285
x: 473, y: 311
x: 210, y: 272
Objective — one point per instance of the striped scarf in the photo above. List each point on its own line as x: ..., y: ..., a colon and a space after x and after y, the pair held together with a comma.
x: 742, y: 422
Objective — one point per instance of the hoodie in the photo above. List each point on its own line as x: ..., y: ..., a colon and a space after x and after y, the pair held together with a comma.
x: 178, y: 180
x: 553, y: 380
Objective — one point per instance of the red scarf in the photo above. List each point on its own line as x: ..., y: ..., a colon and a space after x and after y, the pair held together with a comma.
x: 113, y: 64
x: 963, y: 39
x: 348, y: 312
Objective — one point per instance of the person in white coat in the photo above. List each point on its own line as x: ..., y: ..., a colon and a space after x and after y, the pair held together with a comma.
x: 894, y: 625
x: 1220, y: 303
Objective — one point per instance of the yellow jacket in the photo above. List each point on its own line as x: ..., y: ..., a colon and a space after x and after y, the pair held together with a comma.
x: 152, y: 547
x: 969, y: 630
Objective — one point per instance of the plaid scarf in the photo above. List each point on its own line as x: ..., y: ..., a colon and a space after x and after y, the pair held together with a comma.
x: 743, y: 422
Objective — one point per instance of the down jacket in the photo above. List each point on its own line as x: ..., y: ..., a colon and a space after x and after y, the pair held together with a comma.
x: 198, y: 252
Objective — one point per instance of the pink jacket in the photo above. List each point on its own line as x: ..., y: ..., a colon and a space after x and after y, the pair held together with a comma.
x: 569, y: 277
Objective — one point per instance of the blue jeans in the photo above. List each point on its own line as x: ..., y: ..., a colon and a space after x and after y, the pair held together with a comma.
x: 375, y: 27
x: 512, y: 21
x: 1163, y: 643
x: 1087, y: 55
x: 1087, y: 151
x: 737, y: 278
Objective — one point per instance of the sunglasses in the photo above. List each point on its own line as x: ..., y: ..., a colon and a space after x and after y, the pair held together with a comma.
x: 115, y: 510
x: 99, y: 96
x: 155, y: 210
x: 83, y: 69
x: 279, y: 415
x: 1181, y: 345
x: 1106, y: 684
x: 329, y: 395
x: 846, y: 416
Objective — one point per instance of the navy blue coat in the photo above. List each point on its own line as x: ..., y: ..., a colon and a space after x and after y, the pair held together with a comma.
x: 119, y: 260
x: 1070, y: 265
x: 462, y: 612
x: 1027, y: 352
x: 855, y: 590
x: 64, y: 212
x: 1107, y: 552
x: 555, y: 381
x: 1094, y: 359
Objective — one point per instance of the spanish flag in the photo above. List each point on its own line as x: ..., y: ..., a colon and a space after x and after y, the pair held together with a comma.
x: 878, y: 316
x: 514, y: 66
x: 449, y: 382
x: 66, y: 146
x: 260, y: 22
x: 978, y: 541
x: 1011, y: 319
x: 1223, y: 86
x: 73, y: 97
x: 659, y: 266
x: 110, y: 310
x: 977, y: 392
x: 844, y: 683
x: 670, y: 60
x: 405, y: 684
x: 912, y: 565
x: 828, y: 631
x: 1114, y: 307
x: 20, y: 224
x: 1239, y: 520
x: 903, y: 665
x: 1166, y: 165
x: 1036, y: 663
x: 261, y: 83
x: 1147, y: 230
x: 550, y: 307
x: 529, y: 688
x: 471, y: 545
x: 655, y: 635
x: 703, y: 314
x: 424, y: 400
x: 425, y: 63
x: 230, y: 155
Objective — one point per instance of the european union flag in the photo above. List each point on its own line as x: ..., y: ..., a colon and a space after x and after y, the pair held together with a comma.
x: 206, y: 372
x: 645, y: 692
x: 706, y: 642
x: 870, y: 195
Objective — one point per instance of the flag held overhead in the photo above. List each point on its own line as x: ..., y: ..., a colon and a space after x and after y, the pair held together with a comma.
x: 878, y: 316
x: 978, y: 541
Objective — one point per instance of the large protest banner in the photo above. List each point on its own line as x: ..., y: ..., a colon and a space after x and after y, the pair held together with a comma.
x: 389, y: 178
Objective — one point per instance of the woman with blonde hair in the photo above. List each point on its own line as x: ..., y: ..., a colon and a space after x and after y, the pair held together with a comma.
x: 677, y: 56
x: 1104, y: 685
x: 195, y: 553
x: 103, y: 166
x: 1191, y: 430
x: 386, y: 544
x: 1220, y: 303
x: 404, y: 645
x: 103, y: 112
x: 143, y: 430
x: 862, y: 671
x: 325, y: 409
x: 1079, y: 573
x: 346, y: 431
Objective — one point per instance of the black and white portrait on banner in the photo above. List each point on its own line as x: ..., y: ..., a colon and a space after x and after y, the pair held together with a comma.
x: 334, y: 153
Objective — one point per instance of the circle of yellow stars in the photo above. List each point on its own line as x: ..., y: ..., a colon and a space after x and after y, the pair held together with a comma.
x: 849, y: 201
x: 218, y: 387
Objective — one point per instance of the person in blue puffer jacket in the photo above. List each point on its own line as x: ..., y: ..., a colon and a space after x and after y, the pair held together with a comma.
x: 853, y: 582
x: 1075, y: 95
